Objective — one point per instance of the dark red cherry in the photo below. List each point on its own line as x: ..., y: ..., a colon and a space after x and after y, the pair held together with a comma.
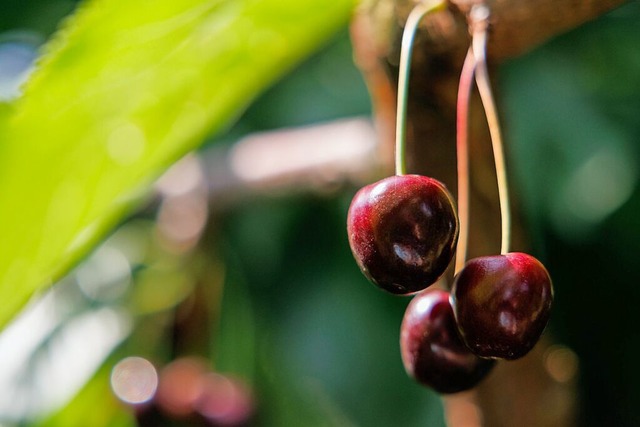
x: 502, y: 304
x: 432, y: 351
x: 403, y: 231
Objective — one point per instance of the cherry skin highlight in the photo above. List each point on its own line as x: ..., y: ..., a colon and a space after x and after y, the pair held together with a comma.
x: 432, y: 351
x: 403, y: 231
x: 502, y: 304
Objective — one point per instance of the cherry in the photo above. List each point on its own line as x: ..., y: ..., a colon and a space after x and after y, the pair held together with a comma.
x: 502, y: 304
x: 432, y: 351
x: 403, y: 231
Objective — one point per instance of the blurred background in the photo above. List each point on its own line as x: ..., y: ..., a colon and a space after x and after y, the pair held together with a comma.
x: 236, y: 277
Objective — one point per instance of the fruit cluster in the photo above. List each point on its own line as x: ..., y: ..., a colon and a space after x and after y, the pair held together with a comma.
x: 403, y: 232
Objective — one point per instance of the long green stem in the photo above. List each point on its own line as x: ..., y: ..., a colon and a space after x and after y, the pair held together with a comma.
x: 416, y: 15
x: 479, y: 16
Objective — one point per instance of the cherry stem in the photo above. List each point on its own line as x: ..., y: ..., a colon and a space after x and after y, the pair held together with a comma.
x: 416, y: 15
x: 480, y: 19
x: 462, y: 156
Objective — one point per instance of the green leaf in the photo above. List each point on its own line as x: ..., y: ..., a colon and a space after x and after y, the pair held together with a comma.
x: 122, y: 91
x: 95, y: 405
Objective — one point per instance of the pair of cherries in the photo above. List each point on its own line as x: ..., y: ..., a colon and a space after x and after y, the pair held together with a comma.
x: 403, y: 232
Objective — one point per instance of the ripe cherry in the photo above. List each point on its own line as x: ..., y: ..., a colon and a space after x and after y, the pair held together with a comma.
x: 403, y: 231
x: 502, y: 304
x: 432, y: 351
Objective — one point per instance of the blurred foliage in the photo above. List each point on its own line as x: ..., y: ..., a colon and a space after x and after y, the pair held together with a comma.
x: 83, y: 410
x: 271, y: 294
x: 571, y: 112
x: 118, y: 95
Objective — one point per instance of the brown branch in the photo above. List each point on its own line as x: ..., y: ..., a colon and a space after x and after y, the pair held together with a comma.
x: 517, y: 25
x: 520, y: 25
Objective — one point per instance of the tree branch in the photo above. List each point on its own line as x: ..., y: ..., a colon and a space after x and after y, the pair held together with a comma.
x: 521, y: 25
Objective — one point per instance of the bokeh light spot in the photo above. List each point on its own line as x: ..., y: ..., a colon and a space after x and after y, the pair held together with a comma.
x: 182, y: 219
x: 134, y: 380
x: 561, y: 363
x: 224, y: 401
x: 180, y: 386
x: 595, y: 190
x: 105, y: 276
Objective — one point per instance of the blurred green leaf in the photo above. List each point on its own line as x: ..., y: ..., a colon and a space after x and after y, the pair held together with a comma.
x: 95, y: 406
x: 122, y: 91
